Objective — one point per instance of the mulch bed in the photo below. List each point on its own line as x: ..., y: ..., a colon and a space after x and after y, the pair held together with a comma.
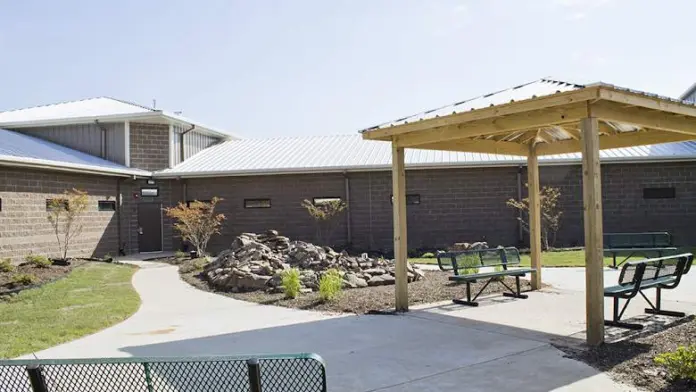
x: 434, y: 288
x: 43, y: 275
x: 631, y: 361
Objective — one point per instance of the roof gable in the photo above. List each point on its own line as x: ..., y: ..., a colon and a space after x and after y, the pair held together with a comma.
x: 93, y: 107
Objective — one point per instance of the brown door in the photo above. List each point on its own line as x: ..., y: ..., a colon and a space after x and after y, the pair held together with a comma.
x: 150, y: 227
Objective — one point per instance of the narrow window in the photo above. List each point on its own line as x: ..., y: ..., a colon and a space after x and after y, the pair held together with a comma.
x: 0, y: 204
x: 149, y: 192
x: 107, y: 205
x: 659, y: 193
x: 257, y: 203
x: 188, y: 202
x: 324, y: 200
x: 411, y: 199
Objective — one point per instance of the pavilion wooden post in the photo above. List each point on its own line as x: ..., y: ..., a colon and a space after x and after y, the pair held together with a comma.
x: 399, y: 211
x: 594, y: 254
x: 534, y: 215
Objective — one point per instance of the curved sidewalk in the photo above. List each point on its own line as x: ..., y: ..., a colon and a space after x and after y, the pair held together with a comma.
x: 426, y: 350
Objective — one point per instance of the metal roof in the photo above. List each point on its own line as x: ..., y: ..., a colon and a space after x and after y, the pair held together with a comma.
x: 537, y: 88
x: 352, y: 153
x: 89, y: 110
x: 17, y: 149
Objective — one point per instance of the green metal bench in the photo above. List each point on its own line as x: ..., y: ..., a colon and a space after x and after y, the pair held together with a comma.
x: 297, y: 372
x: 457, y: 261
x: 649, y: 244
x: 636, y: 276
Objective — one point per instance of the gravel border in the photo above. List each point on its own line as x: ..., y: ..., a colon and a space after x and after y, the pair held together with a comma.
x: 434, y: 288
x: 630, y: 361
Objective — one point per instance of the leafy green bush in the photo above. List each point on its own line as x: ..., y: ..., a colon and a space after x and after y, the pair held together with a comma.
x: 428, y: 255
x: 469, y: 264
x: 330, y: 285
x: 680, y: 364
x: 193, y: 265
x: 181, y: 254
x: 24, y: 279
x: 6, y: 265
x: 291, y: 282
x: 38, y: 261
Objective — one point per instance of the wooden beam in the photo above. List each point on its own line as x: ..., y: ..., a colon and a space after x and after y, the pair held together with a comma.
x: 400, y: 240
x: 543, y: 135
x: 644, y: 118
x: 619, y: 140
x: 510, y: 123
x: 534, y: 215
x: 533, y: 104
x: 594, y: 255
x: 484, y: 146
x: 609, y: 93
x: 574, y: 133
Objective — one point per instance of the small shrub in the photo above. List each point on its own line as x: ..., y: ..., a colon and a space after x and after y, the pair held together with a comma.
x: 24, y: 279
x: 193, y: 265
x: 681, y: 364
x: 38, y: 261
x: 330, y: 285
x: 291, y: 282
x: 428, y: 255
x: 6, y: 265
x: 108, y: 258
x: 180, y: 254
x: 469, y: 264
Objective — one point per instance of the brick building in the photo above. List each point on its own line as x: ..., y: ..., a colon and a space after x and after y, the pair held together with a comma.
x: 134, y: 161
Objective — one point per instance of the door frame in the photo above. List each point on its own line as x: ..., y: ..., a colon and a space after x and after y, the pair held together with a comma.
x: 161, y: 222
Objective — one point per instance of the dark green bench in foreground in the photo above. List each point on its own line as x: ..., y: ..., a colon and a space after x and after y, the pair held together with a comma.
x: 652, y: 244
x: 636, y: 276
x: 275, y: 373
x: 458, y: 261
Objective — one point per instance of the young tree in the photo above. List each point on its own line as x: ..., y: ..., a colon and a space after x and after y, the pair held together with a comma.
x: 550, y: 213
x: 324, y: 213
x: 65, y: 214
x: 197, y: 222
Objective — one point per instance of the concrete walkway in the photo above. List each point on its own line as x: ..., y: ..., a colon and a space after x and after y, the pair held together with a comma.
x: 502, y: 346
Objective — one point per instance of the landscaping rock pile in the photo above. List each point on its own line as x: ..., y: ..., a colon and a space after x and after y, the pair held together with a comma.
x: 257, y: 261
x: 468, y: 246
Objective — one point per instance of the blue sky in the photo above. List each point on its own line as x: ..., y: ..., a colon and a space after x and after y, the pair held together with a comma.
x: 272, y: 68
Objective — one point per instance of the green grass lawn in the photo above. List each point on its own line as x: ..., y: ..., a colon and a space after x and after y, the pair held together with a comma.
x: 92, y: 297
x: 575, y: 258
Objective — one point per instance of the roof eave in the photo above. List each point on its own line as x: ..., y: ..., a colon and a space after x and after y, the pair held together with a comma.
x: 417, y: 166
x: 72, y: 168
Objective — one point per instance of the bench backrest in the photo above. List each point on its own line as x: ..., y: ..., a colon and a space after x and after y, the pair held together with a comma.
x: 297, y: 372
x: 469, y: 259
x: 637, y: 240
x: 637, y: 271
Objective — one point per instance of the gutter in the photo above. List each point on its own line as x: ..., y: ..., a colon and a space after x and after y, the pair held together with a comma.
x: 72, y: 169
x: 373, y: 168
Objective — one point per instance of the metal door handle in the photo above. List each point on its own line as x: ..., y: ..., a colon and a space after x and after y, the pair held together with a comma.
x: 140, y: 230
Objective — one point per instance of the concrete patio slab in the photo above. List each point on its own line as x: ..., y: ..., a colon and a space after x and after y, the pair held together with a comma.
x: 503, y: 345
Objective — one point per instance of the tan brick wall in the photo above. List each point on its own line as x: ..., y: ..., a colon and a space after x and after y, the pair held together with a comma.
x: 149, y: 146
x: 24, y: 227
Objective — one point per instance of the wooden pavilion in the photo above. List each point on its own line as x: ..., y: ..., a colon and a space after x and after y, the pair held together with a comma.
x: 541, y: 118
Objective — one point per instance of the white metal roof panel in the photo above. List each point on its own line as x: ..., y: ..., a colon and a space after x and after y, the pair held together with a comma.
x: 352, y: 153
x: 18, y: 148
x: 537, y: 88
x: 93, y: 107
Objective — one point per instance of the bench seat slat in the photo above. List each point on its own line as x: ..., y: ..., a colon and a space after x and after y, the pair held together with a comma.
x: 483, y: 275
x: 646, y: 284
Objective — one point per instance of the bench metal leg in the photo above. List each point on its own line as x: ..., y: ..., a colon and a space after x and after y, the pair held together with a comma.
x: 468, y: 301
x: 514, y: 293
x: 657, y: 308
x: 616, y: 319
